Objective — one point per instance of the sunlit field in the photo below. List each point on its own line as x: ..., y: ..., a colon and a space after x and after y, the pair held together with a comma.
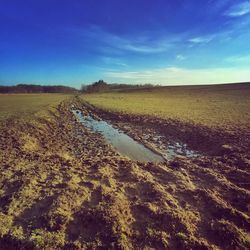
x: 214, y: 106
x: 66, y: 187
x: 27, y: 104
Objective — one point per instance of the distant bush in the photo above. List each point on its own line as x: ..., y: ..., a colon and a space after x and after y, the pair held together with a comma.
x: 99, y: 86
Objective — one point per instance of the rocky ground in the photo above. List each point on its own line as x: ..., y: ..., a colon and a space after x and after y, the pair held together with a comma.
x: 63, y: 187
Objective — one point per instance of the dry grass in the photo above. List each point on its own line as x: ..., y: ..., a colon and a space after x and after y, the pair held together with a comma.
x: 224, y: 106
x: 25, y: 104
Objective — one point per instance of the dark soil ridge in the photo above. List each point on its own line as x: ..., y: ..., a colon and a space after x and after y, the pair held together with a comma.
x: 63, y: 187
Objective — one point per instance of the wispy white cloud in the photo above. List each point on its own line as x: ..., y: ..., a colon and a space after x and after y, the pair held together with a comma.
x: 181, y: 76
x: 113, y: 61
x: 199, y: 40
x: 138, y: 44
x: 240, y: 9
x: 180, y: 57
x: 136, y: 47
x: 238, y: 59
x: 221, y: 36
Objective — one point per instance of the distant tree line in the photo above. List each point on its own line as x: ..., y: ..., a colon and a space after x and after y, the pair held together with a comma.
x: 102, y: 86
x: 99, y: 86
x: 30, y: 88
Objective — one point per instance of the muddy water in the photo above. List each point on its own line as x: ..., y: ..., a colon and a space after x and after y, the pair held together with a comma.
x: 171, y: 149
x: 124, y: 144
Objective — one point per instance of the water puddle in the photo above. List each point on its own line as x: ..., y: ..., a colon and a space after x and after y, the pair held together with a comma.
x: 123, y: 143
x: 171, y: 149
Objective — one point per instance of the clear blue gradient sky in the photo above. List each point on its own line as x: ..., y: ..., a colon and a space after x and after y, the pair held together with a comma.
x: 127, y: 41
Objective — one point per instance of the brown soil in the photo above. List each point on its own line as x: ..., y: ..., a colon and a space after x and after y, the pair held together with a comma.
x: 63, y: 187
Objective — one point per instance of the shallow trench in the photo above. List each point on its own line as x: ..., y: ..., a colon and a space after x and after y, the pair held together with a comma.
x: 133, y: 149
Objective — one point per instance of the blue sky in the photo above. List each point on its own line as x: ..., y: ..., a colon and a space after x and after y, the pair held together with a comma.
x: 170, y: 42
